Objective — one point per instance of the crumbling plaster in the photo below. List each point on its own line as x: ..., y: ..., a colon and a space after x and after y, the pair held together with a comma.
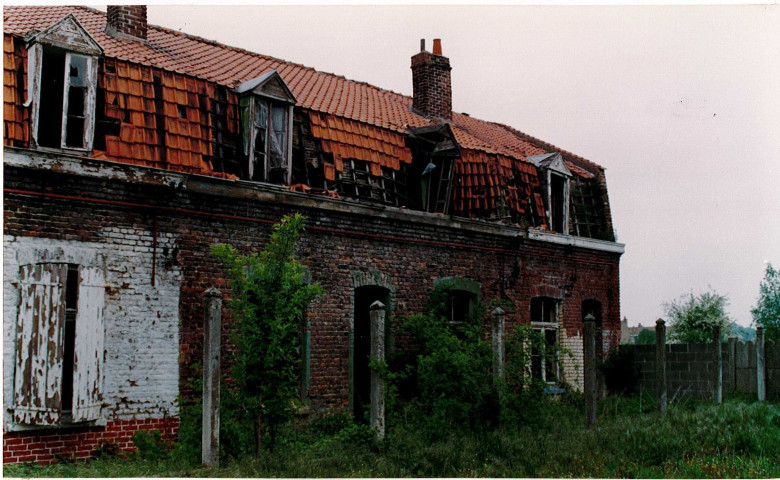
x: 141, y: 321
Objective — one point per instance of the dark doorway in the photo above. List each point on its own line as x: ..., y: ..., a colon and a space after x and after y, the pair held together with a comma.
x: 361, y: 347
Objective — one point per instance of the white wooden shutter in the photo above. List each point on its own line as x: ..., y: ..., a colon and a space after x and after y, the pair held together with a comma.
x: 88, y: 352
x: 39, y: 348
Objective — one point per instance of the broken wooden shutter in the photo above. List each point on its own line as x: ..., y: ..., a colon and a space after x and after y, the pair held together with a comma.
x: 39, y: 349
x: 88, y: 346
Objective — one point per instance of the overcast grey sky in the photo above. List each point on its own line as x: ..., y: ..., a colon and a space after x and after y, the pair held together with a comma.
x: 680, y: 104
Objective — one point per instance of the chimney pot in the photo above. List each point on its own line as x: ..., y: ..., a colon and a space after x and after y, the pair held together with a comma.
x: 422, y: 44
x: 432, y: 89
x: 437, y: 46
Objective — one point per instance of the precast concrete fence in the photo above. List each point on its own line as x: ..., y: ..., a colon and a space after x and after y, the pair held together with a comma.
x: 708, y: 370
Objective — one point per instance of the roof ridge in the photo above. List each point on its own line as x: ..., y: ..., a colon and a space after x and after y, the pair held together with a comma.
x: 216, y: 43
x: 532, y: 139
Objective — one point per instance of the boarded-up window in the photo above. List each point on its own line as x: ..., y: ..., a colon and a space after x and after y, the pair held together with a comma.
x: 46, y: 312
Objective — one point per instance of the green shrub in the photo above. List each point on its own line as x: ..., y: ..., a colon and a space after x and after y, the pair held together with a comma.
x: 620, y: 372
x: 149, y: 444
x: 449, y: 379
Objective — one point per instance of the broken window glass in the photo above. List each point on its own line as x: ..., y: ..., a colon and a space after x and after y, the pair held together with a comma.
x: 268, y: 134
x: 64, y: 123
x: 279, y: 137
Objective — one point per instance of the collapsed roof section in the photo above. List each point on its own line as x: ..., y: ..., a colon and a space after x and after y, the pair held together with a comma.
x: 173, y: 101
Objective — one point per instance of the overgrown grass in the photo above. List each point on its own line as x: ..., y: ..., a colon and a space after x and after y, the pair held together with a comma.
x: 694, y: 440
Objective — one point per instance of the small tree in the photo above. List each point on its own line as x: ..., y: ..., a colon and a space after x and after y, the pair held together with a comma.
x: 269, y: 296
x: 767, y: 311
x: 645, y: 337
x: 693, y: 319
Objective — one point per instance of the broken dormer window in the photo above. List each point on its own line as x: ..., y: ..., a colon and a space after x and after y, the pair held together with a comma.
x: 63, y: 82
x: 266, y: 123
x: 557, y: 202
x: 67, y: 104
x: 554, y: 176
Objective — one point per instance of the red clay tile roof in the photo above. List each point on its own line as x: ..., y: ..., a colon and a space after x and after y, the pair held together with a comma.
x: 315, y: 91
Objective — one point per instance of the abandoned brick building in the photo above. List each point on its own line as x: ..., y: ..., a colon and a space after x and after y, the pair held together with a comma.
x: 130, y: 149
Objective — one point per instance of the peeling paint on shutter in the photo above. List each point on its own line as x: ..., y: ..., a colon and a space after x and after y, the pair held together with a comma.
x: 88, y: 352
x: 39, y: 349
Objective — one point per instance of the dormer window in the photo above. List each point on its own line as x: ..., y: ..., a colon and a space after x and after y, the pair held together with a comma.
x: 554, y: 176
x: 558, y: 220
x: 62, y: 86
x: 266, y: 121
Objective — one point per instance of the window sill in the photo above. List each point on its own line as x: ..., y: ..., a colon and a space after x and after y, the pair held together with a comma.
x: 69, y: 150
x: 11, y: 426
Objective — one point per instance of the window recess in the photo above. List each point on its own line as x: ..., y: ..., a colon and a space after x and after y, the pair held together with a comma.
x: 544, y: 350
x: 63, y: 61
x: 462, y: 297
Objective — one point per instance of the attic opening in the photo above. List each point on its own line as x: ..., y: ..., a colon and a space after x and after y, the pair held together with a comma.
x: 434, y: 153
x: 63, y: 113
x: 557, y: 201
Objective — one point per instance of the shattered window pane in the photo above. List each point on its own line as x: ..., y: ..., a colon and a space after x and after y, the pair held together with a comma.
x: 259, y: 141
x: 261, y: 114
x: 74, y: 134
x: 278, y: 137
x: 244, y: 113
x: 78, y: 71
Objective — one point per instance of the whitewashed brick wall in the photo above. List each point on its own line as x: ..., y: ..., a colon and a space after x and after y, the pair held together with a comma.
x: 141, y: 321
x: 573, y: 361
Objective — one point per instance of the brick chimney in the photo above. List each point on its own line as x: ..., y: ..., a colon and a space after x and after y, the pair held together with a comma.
x: 126, y: 21
x: 431, y: 83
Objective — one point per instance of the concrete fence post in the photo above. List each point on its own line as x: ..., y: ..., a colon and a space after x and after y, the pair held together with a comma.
x: 717, y: 365
x: 660, y: 365
x: 498, y: 342
x: 377, y: 414
x: 589, y: 353
x: 212, y: 340
x: 760, y: 365
x: 732, y: 372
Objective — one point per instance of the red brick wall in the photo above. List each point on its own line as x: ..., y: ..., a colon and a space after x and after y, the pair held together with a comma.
x: 411, y: 255
x: 48, y: 446
x: 127, y: 19
x: 432, y: 85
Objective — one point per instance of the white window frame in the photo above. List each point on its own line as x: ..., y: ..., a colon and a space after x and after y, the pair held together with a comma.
x: 39, y: 359
x: 249, y: 136
x: 272, y: 89
x: 544, y: 327
x: 69, y: 36
x: 550, y: 213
